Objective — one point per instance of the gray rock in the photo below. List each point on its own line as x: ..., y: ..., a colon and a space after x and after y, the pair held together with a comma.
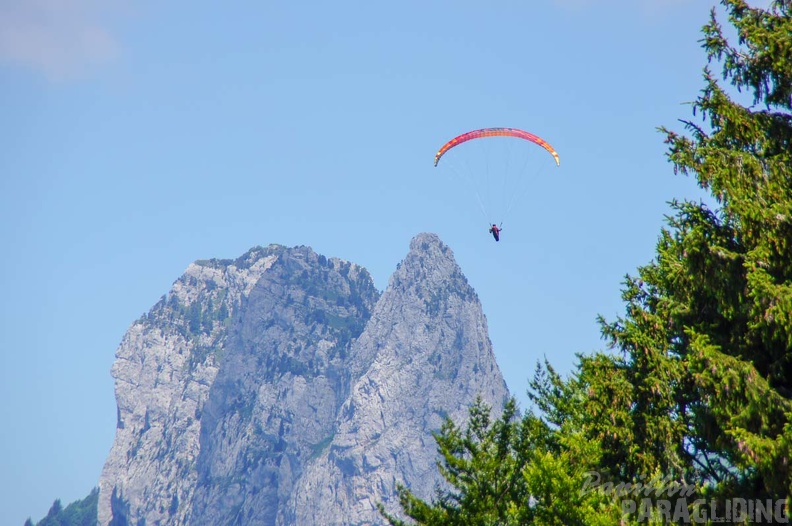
x: 432, y: 358
x: 281, y: 388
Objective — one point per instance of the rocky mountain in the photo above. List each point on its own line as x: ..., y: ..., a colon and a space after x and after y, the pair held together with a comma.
x: 282, y: 388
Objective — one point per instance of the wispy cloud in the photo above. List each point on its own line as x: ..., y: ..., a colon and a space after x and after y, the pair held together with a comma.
x: 60, y: 38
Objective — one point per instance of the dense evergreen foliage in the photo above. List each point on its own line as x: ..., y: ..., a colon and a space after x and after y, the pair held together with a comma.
x: 692, y: 407
x: 78, y: 513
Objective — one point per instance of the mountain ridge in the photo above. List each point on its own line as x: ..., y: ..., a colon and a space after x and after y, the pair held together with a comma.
x: 282, y: 387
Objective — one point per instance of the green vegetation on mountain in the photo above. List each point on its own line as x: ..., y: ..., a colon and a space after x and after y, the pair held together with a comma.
x: 78, y: 513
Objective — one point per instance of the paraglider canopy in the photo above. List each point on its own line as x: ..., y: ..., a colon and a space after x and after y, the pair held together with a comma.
x: 496, y: 132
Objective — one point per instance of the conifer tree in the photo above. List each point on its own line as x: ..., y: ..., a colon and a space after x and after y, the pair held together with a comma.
x: 511, y: 472
x: 706, y: 363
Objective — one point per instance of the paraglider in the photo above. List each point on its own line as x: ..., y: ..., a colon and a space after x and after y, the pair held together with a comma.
x: 490, y: 179
x: 495, y: 231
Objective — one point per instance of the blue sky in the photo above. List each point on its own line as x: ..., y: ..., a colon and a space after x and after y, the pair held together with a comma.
x: 137, y: 137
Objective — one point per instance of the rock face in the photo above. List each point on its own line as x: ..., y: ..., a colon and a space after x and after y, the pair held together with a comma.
x: 281, y: 389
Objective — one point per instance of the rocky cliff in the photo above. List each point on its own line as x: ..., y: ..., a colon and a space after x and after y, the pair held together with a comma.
x: 281, y: 388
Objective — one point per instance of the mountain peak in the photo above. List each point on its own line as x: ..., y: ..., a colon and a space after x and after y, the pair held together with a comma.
x: 429, y: 244
x: 428, y: 356
x: 429, y: 267
x: 425, y: 241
